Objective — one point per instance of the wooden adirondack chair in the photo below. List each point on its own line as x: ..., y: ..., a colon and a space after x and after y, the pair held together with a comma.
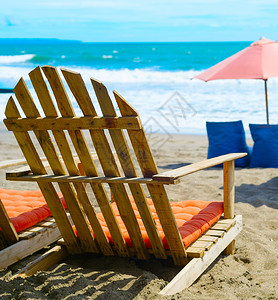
x: 15, y: 246
x: 60, y: 129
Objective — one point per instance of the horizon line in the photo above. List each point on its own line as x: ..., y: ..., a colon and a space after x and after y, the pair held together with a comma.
x: 80, y: 41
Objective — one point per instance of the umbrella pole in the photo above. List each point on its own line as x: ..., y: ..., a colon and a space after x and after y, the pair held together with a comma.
x: 266, y: 100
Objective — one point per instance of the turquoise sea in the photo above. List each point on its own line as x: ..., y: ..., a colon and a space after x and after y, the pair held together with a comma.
x: 117, y: 56
x: 154, y: 77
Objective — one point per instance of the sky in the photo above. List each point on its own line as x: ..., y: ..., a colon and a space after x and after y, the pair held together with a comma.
x: 140, y: 21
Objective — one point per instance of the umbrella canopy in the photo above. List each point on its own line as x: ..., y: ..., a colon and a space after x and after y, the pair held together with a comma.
x: 258, y: 61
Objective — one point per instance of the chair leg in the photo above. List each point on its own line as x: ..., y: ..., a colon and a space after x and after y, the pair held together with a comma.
x: 229, y: 198
x: 231, y: 248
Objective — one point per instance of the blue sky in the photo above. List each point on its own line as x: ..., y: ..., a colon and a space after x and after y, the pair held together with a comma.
x: 131, y: 21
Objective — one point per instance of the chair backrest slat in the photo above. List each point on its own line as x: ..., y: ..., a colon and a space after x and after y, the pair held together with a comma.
x: 85, y: 235
x: 157, y: 192
x: 105, y: 155
x: 85, y: 157
x: 48, y: 190
x: 128, y: 167
x: 61, y: 140
x: 80, y: 92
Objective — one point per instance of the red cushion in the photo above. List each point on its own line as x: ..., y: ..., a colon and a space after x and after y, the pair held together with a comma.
x: 193, y: 217
x: 25, y: 208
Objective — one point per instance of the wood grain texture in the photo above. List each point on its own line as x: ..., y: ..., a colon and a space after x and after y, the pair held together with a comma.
x: 192, y: 168
x: 108, y: 163
x: 44, y: 262
x: 85, y: 157
x: 29, y: 108
x: 9, y: 234
x: 157, y: 192
x: 24, y: 248
x: 50, y: 194
x: 72, y: 123
x: 63, y: 145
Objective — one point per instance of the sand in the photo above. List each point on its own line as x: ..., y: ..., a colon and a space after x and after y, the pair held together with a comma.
x: 252, y: 273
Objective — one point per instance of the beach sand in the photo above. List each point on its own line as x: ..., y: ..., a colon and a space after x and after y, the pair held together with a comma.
x: 252, y: 273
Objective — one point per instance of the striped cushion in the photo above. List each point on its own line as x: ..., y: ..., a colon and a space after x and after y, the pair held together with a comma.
x: 193, y: 217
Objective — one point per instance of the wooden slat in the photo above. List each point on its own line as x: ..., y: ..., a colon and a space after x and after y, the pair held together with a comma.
x: 48, y: 224
x: 158, y: 193
x: 119, y: 192
x: 195, y: 251
x: 212, y: 232
x: 59, y: 135
x: 138, y: 140
x: 26, y: 235
x: 86, y: 159
x: 202, y: 244
x: 19, y: 173
x: 226, y: 221
x: 208, y: 238
x: 47, y: 189
x: 30, y: 110
x: 25, y: 141
x: 205, y: 241
x: 8, y: 231
x: 37, y: 229
x: 128, y: 216
x: 86, y: 179
x: 192, y: 168
x: 128, y: 167
x: 44, y: 262
x: 72, y: 123
x: 33, y: 231
x: 24, y: 248
x: 110, y: 169
x: 224, y: 227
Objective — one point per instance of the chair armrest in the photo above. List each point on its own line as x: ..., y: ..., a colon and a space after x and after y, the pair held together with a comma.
x: 192, y: 168
x: 25, y: 170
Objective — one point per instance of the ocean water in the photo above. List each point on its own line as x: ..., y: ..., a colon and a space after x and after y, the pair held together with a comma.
x: 156, y: 78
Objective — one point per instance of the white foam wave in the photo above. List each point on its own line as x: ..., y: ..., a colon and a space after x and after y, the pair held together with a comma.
x: 138, y: 75
x: 107, y: 56
x: 152, y: 93
x: 10, y: 59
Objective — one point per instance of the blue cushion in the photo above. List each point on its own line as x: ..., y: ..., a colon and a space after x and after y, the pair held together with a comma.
x: 227, y: 137
x: 265, y: 149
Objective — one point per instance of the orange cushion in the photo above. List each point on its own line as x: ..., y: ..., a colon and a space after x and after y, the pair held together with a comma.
x: 25, y: 208
x: 193, y: 217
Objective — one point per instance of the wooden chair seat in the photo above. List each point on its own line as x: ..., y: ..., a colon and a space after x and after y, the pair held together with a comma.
x: 193, y: 218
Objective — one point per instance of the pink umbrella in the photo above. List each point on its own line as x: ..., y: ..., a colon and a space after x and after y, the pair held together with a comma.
x: 258, y: 61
